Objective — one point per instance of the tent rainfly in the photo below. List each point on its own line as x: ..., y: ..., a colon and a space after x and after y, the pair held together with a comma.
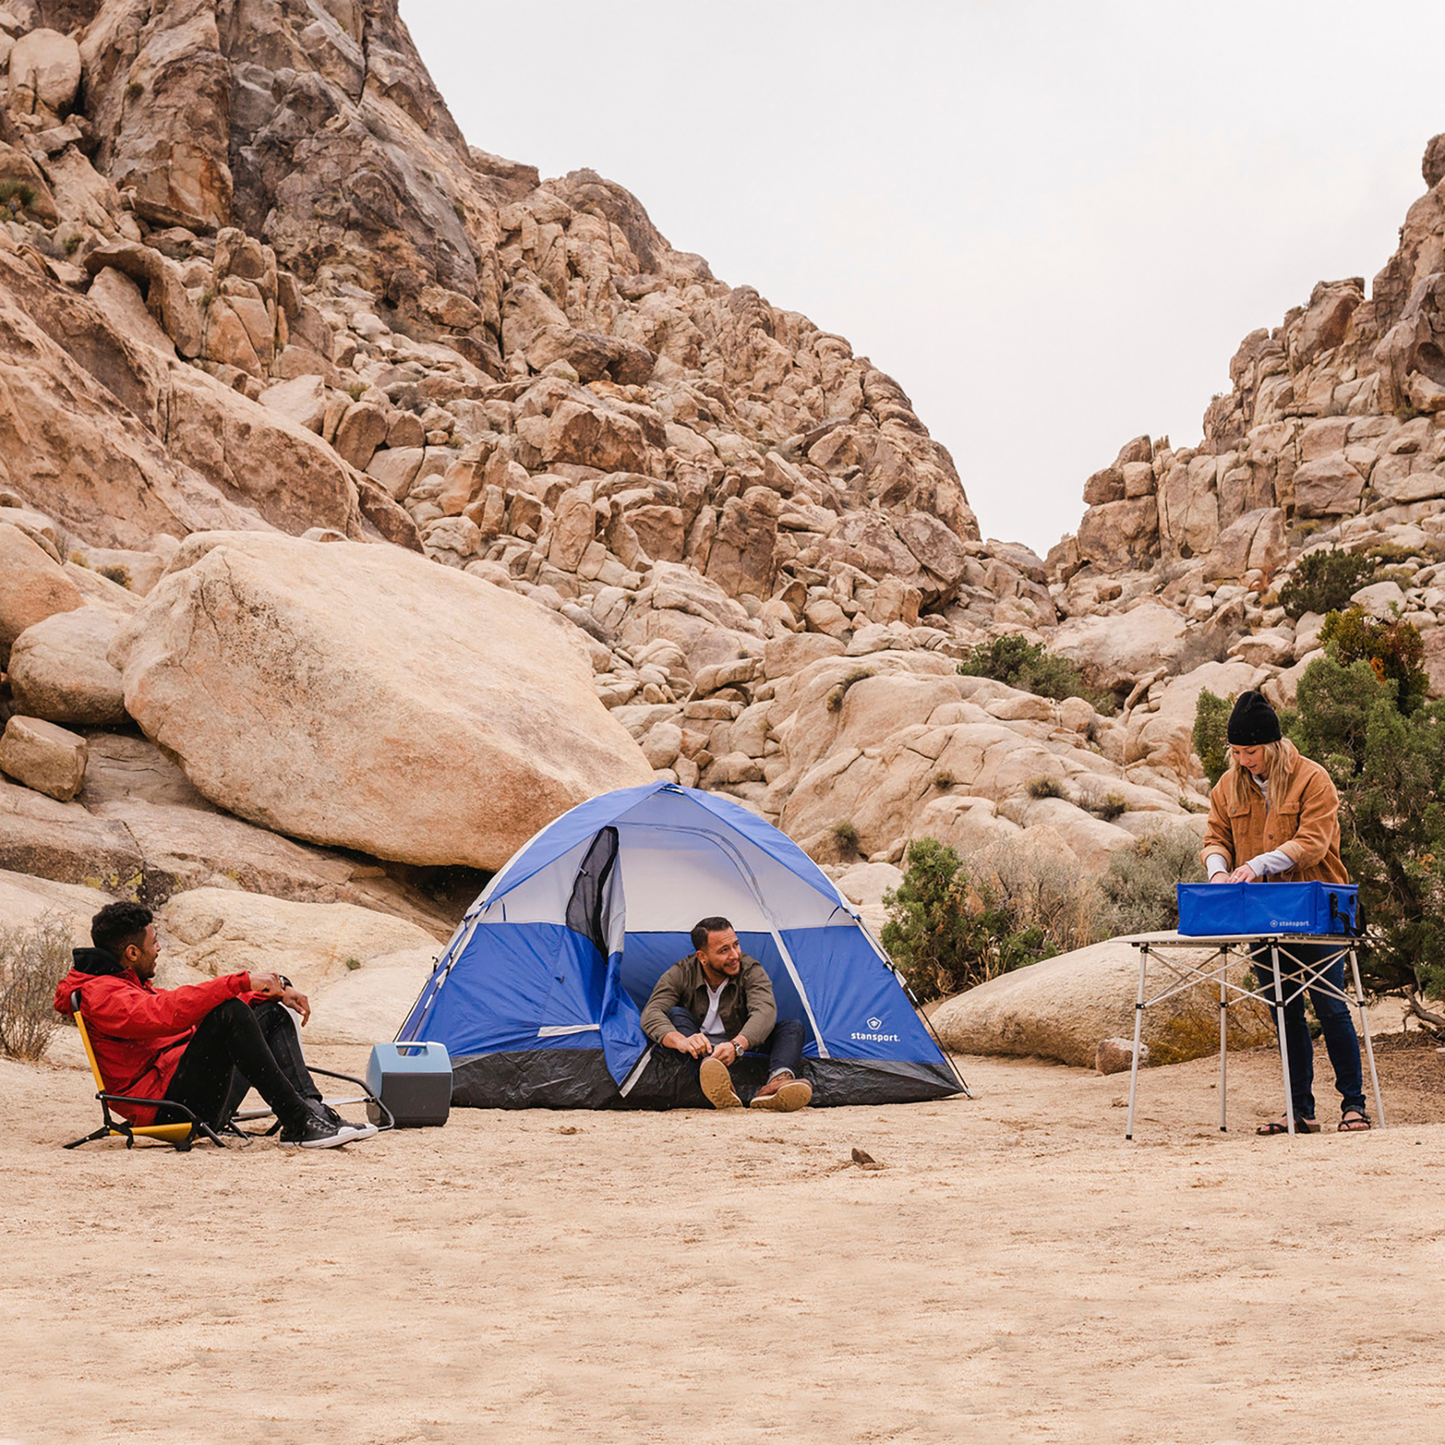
x: 538, y: 996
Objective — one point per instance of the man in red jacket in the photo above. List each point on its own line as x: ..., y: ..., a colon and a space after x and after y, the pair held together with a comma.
x: 199, y: 1046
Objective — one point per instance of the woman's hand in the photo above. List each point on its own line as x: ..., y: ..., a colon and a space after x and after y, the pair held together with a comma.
x: 1243, y: 874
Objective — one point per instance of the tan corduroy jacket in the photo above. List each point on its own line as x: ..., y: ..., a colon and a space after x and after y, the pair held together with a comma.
x: 1306, y: 826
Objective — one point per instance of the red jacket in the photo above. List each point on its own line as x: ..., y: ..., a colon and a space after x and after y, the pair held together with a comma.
x: 138, y: 1033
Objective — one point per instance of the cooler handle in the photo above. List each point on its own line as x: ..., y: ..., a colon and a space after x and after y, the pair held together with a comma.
x: 425, y: 1048
x: 1346, y: 922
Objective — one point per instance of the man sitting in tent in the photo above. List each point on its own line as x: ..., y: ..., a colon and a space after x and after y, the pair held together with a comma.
x: 715, y: 1005
x: 201, y: 1046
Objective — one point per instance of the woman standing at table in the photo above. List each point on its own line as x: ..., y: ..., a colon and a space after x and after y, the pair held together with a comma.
x: 1275, y: 814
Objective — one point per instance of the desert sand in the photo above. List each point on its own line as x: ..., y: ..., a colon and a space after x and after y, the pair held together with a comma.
x: 1016, y: 1271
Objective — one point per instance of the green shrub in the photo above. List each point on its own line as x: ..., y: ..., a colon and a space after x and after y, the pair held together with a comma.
x: 1139, y: 885
x: 1112, y: 805
x: 845, y: 837
x: 118, y: 574
x: 1211, y: 747
x: 1045, y: 788
x: 1394, y: 650
x: 33, y: 960
x: 941, y: 937
x: 1389, y: 767
x: 17, y: 195
x: 1324, y: 581
x: 134, y: 90
x: 1027, y: 666
x: 952, y: 925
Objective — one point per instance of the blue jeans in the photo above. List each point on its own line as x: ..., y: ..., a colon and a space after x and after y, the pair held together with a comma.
x: 784, y: 1046
x: 1341, y: 1043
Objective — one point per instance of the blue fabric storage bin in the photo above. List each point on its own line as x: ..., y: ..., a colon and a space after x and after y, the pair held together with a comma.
x: 1252, y: 908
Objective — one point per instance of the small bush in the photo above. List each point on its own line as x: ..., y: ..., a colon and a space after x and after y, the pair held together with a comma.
x: 117, y: 574
x: 72, y: 244
x: 33, y: 960
x: 1112, y: 805
x: 460, y: 211
x: 845, y: 837
x: 356, y: 390
x: 1394, y: 650
x: 1027, y: 666
x: 1139, y: 886
x: 353, y: 964
x: 1324, y: 581
x: 953, y: 924
x: 944, y: 780
x: 1045, y: 788
x: 134, y: 90
x: 17, y: 195
x: 1211, y: 746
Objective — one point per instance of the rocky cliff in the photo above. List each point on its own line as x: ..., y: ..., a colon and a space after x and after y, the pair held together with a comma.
x: 355, y: 477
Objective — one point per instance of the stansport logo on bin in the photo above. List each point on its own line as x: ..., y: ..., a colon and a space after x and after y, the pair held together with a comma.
x: 873, y: 1036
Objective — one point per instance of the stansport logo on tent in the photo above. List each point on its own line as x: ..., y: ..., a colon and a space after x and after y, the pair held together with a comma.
x: 873, y: 1036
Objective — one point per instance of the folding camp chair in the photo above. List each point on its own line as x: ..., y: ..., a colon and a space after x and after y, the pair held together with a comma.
x: 180, y: 1135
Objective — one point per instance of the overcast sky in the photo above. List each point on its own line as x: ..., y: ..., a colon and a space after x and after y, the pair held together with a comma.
x: 1051, y: 222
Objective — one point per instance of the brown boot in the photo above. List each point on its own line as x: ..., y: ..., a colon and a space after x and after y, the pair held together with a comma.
x: 782, y: 1094
x: 717, y: 1084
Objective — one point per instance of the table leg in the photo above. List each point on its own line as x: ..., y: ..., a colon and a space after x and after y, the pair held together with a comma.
x: 1223, y: 1036
x: 1369, y: 1047
x: 1138, y: 1033
x: 1279, y: 1026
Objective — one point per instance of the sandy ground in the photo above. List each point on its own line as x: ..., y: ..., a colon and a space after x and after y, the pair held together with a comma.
x: 1015, y: 1272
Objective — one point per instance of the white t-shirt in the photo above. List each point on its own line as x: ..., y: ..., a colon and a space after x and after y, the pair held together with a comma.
x: 712, y: 1024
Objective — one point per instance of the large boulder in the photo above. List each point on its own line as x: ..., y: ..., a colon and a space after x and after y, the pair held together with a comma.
x: 214, y: 931
x: 59, y: 670
x: 33, y: 586
x: 1114, y: 650
x: 1064, y: 1007
x: 361, y: 696
x: 45, y: 72
x: 49, y: 759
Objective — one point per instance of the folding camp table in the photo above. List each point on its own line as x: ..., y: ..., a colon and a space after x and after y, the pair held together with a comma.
x: 1214, y: 971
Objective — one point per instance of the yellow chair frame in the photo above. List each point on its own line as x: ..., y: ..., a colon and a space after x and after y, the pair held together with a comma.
x: 179, y: 1135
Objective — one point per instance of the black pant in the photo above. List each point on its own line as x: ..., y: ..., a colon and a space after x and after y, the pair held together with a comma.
x: 236, y: 1040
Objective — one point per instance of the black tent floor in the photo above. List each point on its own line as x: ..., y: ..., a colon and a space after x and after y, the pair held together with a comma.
x: 578, y: 1079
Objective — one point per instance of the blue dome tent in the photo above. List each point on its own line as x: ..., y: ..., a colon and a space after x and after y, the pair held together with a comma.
x: 538, y: 996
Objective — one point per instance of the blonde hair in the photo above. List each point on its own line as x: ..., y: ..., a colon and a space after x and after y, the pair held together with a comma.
x: 1279, y: 763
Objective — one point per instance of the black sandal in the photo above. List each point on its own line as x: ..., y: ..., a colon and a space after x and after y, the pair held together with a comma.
x: 1278, y: 1126
x: 1354, y: 1121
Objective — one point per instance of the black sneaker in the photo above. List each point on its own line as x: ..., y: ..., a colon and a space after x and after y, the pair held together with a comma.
x: 323, y: 1134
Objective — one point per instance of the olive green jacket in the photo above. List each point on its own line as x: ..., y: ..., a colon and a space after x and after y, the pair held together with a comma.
x: 746, y: 1005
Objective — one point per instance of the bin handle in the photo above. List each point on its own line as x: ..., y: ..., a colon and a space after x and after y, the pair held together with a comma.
x: 424, y: 1047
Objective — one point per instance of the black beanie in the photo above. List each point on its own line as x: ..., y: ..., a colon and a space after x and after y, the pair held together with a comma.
x: 1253, y: 722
